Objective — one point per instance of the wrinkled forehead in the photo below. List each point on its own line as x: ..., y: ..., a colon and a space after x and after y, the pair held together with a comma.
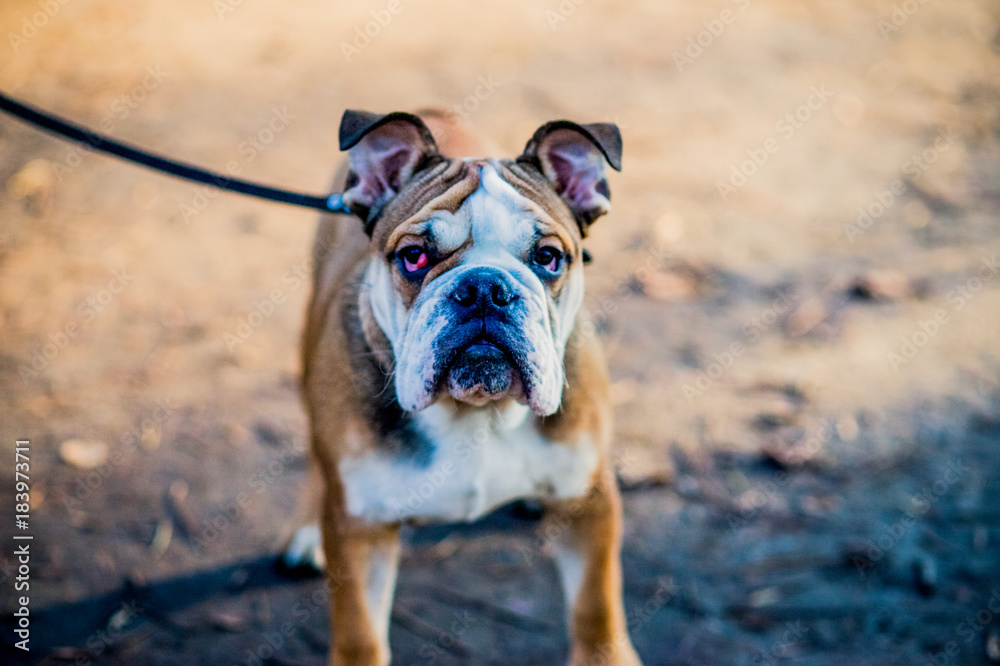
x: 496, y: 204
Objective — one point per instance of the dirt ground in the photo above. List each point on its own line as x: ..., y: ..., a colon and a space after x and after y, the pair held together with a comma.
x: 798, y: 291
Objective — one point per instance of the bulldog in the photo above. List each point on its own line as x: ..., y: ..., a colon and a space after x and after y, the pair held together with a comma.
x: 447, y: 371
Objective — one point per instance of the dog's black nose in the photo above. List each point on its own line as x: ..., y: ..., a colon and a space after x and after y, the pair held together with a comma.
x: 483, y: 291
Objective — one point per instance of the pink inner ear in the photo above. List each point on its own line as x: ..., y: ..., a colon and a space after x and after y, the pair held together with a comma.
x: 392, y: 164
x: 382, y: 162
x: 578, y: 172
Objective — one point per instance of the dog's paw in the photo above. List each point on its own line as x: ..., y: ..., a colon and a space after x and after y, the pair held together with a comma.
x: 304, y: 553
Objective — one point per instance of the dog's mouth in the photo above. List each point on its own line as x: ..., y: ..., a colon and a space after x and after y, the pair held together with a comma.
x: 482, y: 370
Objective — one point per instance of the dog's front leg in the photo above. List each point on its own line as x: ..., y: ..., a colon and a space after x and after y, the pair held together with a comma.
x: 362, y: 561
x: 586, y: 536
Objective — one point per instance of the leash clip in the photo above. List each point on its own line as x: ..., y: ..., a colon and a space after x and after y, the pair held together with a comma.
x: 335, y: 204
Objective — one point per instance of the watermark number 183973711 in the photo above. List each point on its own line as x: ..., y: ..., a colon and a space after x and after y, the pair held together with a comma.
x: 22, y: 556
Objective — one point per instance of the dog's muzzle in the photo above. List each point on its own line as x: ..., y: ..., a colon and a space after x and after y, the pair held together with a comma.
x: 482, y: 355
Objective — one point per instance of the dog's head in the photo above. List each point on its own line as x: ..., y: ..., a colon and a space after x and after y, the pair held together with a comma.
x: 476, y: 276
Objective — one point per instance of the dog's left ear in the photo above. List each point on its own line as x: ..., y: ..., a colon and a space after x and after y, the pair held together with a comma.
x: 572, y: 157
x: 385, y: 152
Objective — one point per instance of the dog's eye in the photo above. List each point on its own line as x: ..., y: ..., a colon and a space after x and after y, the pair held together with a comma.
x: 549, y: 258
x: 414, y: 259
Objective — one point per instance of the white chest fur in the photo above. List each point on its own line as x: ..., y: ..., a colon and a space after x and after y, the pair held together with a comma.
x: 480, y: 460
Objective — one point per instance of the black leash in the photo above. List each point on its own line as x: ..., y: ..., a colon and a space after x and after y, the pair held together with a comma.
x: 329, y: 204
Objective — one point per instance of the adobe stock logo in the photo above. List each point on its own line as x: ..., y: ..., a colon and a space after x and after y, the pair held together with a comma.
x: 786, y: 127
x: 723, y: 361
x: 470, y: 104
x: 120, y: 109
x: 959, y: 297
x: 363, y: 35
x: 698, y: 43
x: 897, y: 19
x: 565, y: 9
x: 30, y: 25
x: 88, y: 310
x: 913, y: 169
x: 252, y: 146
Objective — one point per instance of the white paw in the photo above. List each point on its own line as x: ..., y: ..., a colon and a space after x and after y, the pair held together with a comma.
x: 305, y: 549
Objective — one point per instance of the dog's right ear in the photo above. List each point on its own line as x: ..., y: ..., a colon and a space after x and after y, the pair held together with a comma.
x: 572, y: 157
x: 385, y: 151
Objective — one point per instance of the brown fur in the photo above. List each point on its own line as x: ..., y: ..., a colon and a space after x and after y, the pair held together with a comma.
x: 346, y: 363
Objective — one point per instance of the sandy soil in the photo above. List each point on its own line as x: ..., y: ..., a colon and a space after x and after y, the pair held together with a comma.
x: 807, y: 398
